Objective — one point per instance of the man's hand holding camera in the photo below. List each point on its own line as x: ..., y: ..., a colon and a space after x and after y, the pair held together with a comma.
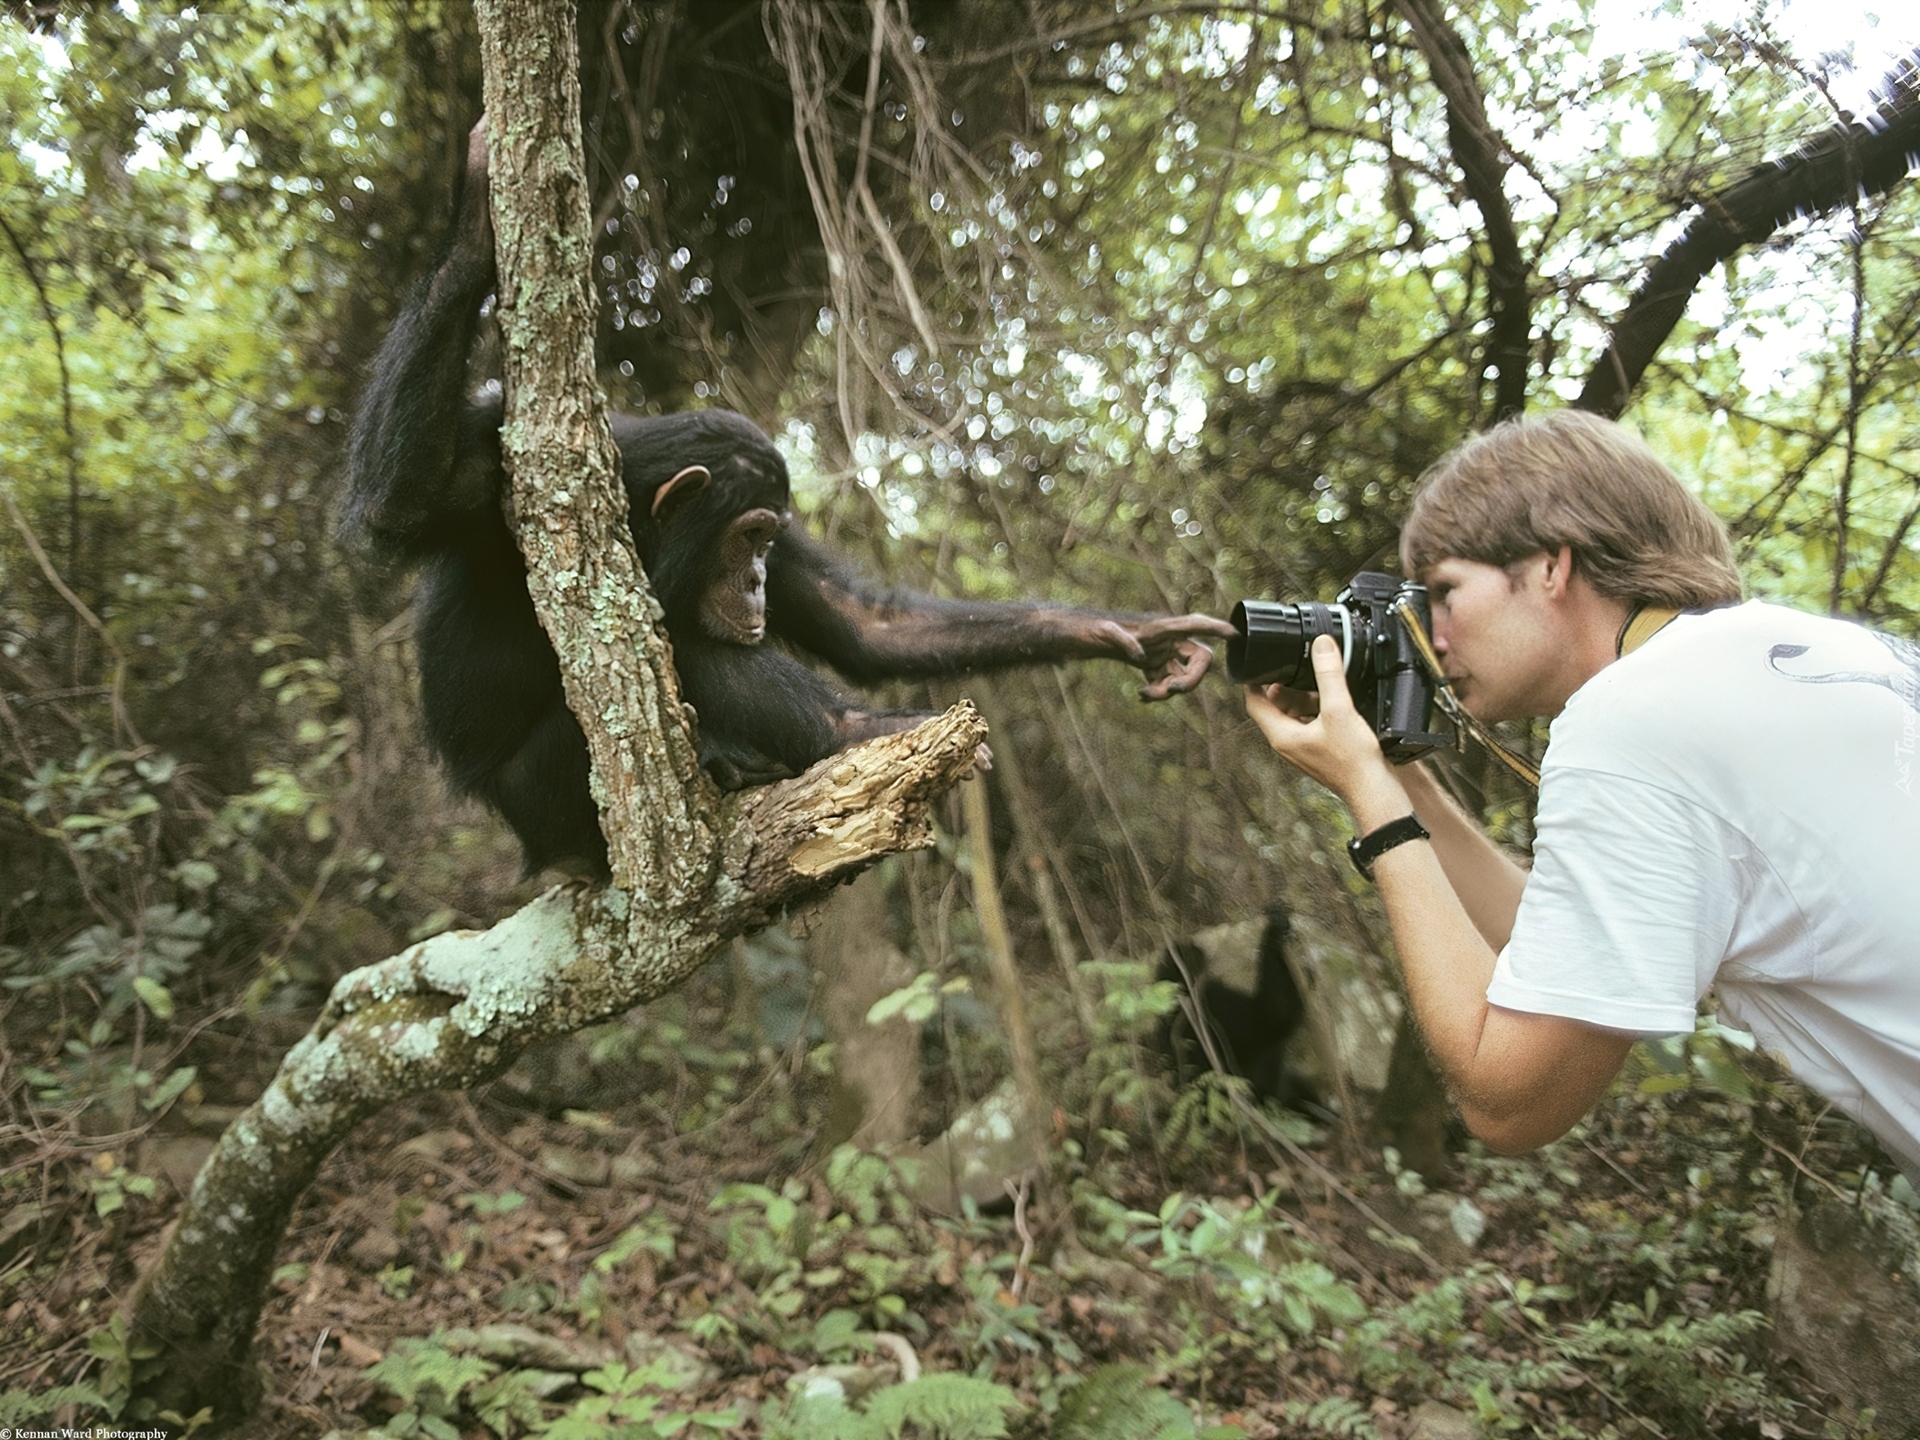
x: 1327, y: 738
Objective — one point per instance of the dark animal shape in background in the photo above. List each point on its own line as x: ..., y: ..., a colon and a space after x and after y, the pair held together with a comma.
x: 1251, y: 1032
x: 707, y: 498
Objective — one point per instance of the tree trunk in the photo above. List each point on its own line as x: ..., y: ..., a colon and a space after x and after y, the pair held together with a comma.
x: 1482, y: 155
x: 876, y: 1068
x: 1010, y: 998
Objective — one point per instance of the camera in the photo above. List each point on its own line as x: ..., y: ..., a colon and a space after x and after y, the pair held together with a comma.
x: 1391, y: 685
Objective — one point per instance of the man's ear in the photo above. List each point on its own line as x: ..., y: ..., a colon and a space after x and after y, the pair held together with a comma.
x: 685, y: 484
x: 1559, y: 572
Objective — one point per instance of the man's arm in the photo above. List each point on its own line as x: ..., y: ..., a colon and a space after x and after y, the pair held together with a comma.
x: 1519, y: 1079
x: 1483, y: 875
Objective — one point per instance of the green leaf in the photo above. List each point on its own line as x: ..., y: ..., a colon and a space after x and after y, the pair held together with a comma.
x: 1663, y: 1084
x: 1718, y: 1070
x: 171, y: 1088
x: 155, y: 996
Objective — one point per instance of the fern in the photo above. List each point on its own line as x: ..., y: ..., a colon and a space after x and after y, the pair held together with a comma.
x: 1203, y: 1113
x: 822, y: 1415
x: 1335, y: 1415
x: 934, y: 1407
x: 18, y: 1405
x: 1116, y: 1402
x: 944, y: 1407
x: 1693, y: 1363
x: 511, y: 1402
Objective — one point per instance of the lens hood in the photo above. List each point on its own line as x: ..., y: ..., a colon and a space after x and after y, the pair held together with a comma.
x: 1275, y: 641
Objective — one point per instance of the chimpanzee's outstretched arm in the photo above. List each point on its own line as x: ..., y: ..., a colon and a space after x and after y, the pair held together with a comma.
x: 868, y: 633
x: 422, y: 455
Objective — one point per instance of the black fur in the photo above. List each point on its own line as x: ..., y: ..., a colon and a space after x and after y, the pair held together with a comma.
x: 1251, y: 1032
x: 427, y: 488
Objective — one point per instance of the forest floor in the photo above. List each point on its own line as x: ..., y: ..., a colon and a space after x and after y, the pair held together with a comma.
x: 681, y: 1259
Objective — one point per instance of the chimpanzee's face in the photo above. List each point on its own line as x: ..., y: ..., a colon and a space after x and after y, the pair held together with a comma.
x: 734, y: 608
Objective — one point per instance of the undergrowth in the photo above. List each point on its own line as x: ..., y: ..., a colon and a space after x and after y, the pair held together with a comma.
x: 1212, y: 1273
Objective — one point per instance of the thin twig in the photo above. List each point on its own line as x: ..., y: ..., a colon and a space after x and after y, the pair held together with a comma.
x: 47, y: 569
x: 52, y: 317
x: 1020, y: 1266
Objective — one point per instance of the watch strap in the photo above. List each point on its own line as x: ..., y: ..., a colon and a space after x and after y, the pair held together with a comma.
x: 1363, y: 850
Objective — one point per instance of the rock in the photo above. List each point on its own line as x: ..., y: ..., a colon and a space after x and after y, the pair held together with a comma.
x: 682, y: 1365
x: 1232, y: 952
x: 1846, y: 1306
x: 582, y: 1167
x: 632, y: 1170
x: 846, y: 1382
x: 178, y: 1158
x: 436, y: 1145
x: 378, y: 1248
x: 1434, y: 1421
x: 983, y: 1152
x: 1348, y: 989
x: 523, y: 1346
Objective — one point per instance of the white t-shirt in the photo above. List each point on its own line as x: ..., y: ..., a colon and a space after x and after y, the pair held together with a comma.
x: 1735, y: 806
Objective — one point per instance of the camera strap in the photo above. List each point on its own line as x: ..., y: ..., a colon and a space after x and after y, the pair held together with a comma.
x: 1449, y: 703
x: 1642, y: 624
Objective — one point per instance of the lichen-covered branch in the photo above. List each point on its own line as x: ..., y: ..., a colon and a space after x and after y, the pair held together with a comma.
x: 459, y: 1009
x: 854, y: 807
x: 569, y: 508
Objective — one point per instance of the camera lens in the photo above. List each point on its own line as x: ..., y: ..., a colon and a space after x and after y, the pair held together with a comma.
x: 1275, y: 639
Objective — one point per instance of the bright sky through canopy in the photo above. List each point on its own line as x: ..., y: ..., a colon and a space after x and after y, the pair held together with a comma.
x: 1850, y: 46
x: 1862, y: 39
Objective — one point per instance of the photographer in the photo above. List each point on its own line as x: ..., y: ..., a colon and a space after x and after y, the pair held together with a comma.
x: 1727, y: 802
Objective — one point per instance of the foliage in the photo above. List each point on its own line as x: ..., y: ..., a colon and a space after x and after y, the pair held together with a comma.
x: 428, y: 1382
x: 1119, y: 1402
x: 1681, y: 1370
x: 1337, y: 1415
x: 933, y: 1407
x: 17, y: 1405
x: 438, y: 1387
x: 124, y: 1361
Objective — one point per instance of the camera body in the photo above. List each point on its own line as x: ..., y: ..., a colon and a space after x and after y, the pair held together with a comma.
x: 1390, y: 685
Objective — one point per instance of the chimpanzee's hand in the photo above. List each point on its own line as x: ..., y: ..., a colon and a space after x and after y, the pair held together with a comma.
x: 1168, y: 649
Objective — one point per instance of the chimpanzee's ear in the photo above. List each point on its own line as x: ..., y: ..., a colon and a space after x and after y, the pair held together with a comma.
x: 687, y: 482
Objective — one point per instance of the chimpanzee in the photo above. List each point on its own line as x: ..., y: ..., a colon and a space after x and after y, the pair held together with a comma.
x: 707, y: 497
x: 1251, y: 1032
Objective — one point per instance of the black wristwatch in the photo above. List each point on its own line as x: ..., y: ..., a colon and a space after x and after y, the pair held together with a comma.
x: 1363, y: 850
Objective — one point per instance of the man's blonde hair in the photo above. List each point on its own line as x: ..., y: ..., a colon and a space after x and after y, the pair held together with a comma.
x: 1570, y: 478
